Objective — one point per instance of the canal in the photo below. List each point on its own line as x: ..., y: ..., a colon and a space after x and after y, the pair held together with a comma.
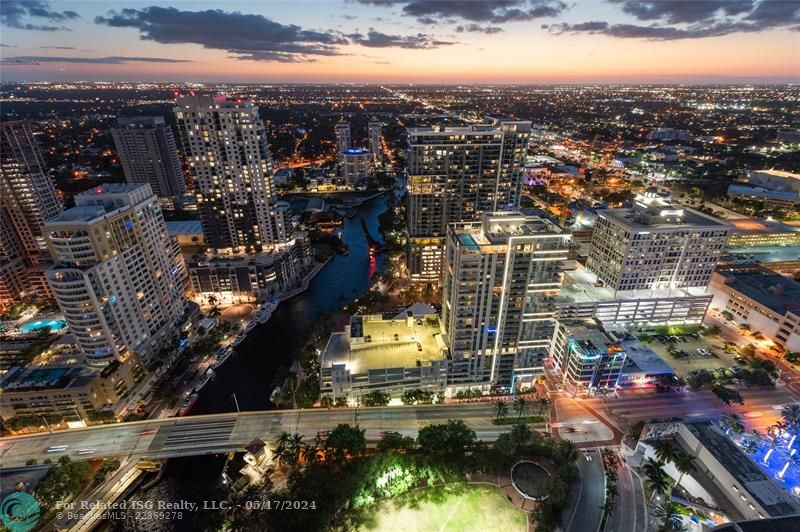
x: 249, y: 373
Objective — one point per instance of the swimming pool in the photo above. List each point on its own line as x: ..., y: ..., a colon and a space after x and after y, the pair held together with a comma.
x: 35, y: 326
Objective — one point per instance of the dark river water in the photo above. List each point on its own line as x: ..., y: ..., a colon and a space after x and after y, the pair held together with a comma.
x: 249, y: 372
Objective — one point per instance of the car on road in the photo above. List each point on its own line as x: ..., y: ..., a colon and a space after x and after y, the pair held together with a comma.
x: 419, y: 346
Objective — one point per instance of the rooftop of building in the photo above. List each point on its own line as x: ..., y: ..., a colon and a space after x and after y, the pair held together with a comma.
x: 217, y: 102
x: 21, y: 379
x: 642, y: 359
x: 777, y: 173
x: 355, y: 151
x: 186, y: 227
x: 758, y: 226
x: 495, y: 229
x: 581, y: 286
x: 373, y: 343
x: 494, y: 127
x: 762, y: 254
x: 589, y: 339
x: 772, y: 498
x: 744, y: 188
x: 772, y: 290
x: 652, y: 210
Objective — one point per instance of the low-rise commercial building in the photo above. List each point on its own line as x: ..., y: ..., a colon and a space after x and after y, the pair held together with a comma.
x: 586, y: 357
x: 769, y: 302
x: 773, y: 187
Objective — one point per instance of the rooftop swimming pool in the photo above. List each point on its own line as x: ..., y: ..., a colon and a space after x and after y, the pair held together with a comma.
x: 35, y: 326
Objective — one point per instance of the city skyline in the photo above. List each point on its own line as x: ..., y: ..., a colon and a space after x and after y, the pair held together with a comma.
x: 404, y: 41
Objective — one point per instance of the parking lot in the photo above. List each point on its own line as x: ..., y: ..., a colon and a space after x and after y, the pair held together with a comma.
x: 688, y: 358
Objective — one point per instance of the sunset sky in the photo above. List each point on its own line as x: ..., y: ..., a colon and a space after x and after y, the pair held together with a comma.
x: 387, y: 41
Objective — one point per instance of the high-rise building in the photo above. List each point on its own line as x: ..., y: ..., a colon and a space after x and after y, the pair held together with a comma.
x: 498, y: 274
x: 116, y: 278
x: 225, y: 143
x: 455, y: 174
x: 342, y: 137
x: 148, y: 154
x: 29, y: 194
x: 28, y: 199
x: 655, y: 245
x: 374, y: 133
x: 355, y: 165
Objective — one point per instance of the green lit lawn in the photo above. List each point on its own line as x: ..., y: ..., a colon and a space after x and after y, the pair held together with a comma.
x: 456, y: 507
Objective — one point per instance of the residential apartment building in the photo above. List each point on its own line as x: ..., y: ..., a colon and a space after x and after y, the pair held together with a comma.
x: 356, y: 165
x: 116, y: 277
x: 342, y: 137
x: 225, y: 143
x: 148, y: 154
x: 455, y: 174
x: 29, y: 198
x: 655, y: 245
x: 374, y: 133
x: 499, y: 273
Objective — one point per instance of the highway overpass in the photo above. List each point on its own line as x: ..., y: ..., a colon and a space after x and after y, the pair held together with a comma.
x: 217, y: 433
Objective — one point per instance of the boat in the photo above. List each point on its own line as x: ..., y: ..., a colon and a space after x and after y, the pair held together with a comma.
x: 250, y: 326
x: 239, y: 338
x: 188, y: 404
x: 222, y: 355
x: 204, y: 380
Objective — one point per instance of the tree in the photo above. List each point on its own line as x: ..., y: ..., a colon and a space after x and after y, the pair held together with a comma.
x: 684, y: 463
x: 543, y: 404
x: 665, y: 451
x: 447, y: 443
x: 656, y: 478
x: 728, y: 315
x: 326, y: 401
x: 520, y: 403
x: 281, y: 450
x: 566, y: 451
x: 520, y: 435
x: 394, y: 441
x: 747, y: 351
x: 501, y: 409
x: 791, y: 416
x: 727, y: 395
x: 376, y: 398
x: 732, y: 424
x: 344, y: 440
x: 669, y: 518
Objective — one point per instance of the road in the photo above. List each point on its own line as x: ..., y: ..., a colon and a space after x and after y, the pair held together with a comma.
x: 215, y: 433
x: 630, y: 514
x: 761, y: 408
x: 587, y: 511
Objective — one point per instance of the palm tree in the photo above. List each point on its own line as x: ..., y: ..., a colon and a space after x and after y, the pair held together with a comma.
x: 791, y: 416
x: 295, y: 448
x: 773, y: 441
x: 668, y: 516
x: 567, y: 451
x: 656, y: 478
x: 543, y: 403
x: 750, y: 445
x: 732, y: 424
x: 500, y: 408
x: 791, y: 460
x: 665, y: 451
x: 282, y: 447
x: 520, y: 434
x: 520, y: 403
x: 684, y: 463
x: 780, y: 427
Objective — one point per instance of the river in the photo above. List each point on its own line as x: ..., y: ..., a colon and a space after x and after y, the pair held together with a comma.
x: 250, y: 371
